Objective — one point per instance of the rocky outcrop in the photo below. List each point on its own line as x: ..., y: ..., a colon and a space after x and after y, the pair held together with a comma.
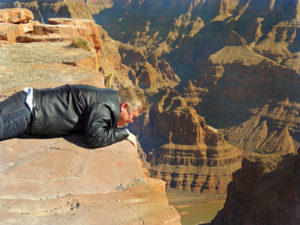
x: 252, y: 94
x: 233, y: 57
x: 59, y: 30
x: 147, y: 70
x: 133, y: 65
x: 98, y: 5
x: 269, y: 130
x: 15, y: 15
x: 15, y: 23
x: 43, y: 9
x: 264, y: 191
x: 185, y: 152
x: 74, y: 184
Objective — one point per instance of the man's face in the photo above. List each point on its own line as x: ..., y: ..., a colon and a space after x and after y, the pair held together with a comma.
x: 127, y: 116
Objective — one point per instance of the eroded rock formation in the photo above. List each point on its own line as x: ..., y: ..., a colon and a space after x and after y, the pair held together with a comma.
x: 185, y: 152
x: 269, y: 130
x: 43, y: 9
x: 133, y: 65
x: 60, y: 180
x: 15, y: 15
x: 233, y: 58
x: 264, y: 191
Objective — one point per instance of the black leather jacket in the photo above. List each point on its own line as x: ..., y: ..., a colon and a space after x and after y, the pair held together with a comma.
x: 78, y: 109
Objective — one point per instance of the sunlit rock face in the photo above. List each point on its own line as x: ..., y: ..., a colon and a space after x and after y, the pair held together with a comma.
x: 182, y: 150
x: 61, y: 180
x: 236, y: 63
x: 237, y: 57
x: 264, y: 191
x: 254, y: 99
x: 43, y: 9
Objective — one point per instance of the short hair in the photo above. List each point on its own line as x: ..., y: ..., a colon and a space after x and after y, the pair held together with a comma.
x: 135, y: 98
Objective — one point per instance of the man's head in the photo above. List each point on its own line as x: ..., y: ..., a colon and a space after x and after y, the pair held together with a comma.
x: 132, y: 103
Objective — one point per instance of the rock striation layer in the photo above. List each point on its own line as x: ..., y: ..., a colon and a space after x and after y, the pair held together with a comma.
x: 43, y: 9
x: 60, y: 180
x: 185, y: 152
x: 15, y: 15
x: 234, y: 58
x: 264, y: 191
x: 131, y: 65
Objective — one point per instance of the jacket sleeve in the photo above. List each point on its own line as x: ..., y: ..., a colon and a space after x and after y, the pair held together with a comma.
x: 99, y: 127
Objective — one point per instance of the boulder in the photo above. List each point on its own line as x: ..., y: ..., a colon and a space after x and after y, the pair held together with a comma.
x: 11, y: 33
x: 15, y: 15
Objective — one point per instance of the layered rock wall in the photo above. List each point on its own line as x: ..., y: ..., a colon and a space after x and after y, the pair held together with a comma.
x: 17, y: 26
x: 238, y: 56
x: 45, y: 9
x: 185, y: 152
x: 264, y: 191
x: 75, y: 185
x: 61, y: 180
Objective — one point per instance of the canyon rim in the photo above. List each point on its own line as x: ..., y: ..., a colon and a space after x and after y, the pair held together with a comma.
x: 222, y: 77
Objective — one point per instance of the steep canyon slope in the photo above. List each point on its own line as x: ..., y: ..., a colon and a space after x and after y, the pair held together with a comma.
x: 236, y: 63
x: 185, y: 152
x: 45, y: 9
x: 264, y: 191
x: 61, y: 180
x: 239, y: 57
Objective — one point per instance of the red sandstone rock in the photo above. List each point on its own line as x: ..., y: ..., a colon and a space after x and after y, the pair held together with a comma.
x: 89, y: 28
x: 59, y: 179
x: 264, y: 191
x: 15, y: 15
x: 61, y: 29
x: 185, y: 152
x: 9, y: 32
x: 12, y: 33
x: 270, y: 130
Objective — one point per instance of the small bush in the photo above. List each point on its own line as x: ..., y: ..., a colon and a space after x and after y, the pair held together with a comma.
x: 80, y: 42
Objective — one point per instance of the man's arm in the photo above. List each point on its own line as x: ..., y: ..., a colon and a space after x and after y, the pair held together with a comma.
x: 99, y: 128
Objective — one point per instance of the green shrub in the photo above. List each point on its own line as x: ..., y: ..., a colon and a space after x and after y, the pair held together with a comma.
x: 80, y: 42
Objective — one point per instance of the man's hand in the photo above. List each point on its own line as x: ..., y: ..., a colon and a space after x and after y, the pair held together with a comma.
x: 132, y: 139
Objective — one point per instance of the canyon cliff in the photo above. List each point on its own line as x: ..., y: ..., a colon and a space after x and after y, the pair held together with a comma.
x: 61, y: 180
x: 234, y: 63
x: 185, y: 152
x: 238, y: 61
x: 234, y: 59
x: 264, y: 191
x: 44, y: 9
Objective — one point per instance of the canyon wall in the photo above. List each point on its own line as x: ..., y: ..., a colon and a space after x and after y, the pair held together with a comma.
x: 185, y: 152
x: 241, y: 57
x: 237, y: 60
x: 264, y: 191
x: 61, y: 180
x: 235, y: 63
x: 45, y: 9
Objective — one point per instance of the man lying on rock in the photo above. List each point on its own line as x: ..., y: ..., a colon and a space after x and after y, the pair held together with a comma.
x: 99, y: 114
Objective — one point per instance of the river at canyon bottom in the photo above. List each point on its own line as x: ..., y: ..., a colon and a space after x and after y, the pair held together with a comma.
x: 195, y: 208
